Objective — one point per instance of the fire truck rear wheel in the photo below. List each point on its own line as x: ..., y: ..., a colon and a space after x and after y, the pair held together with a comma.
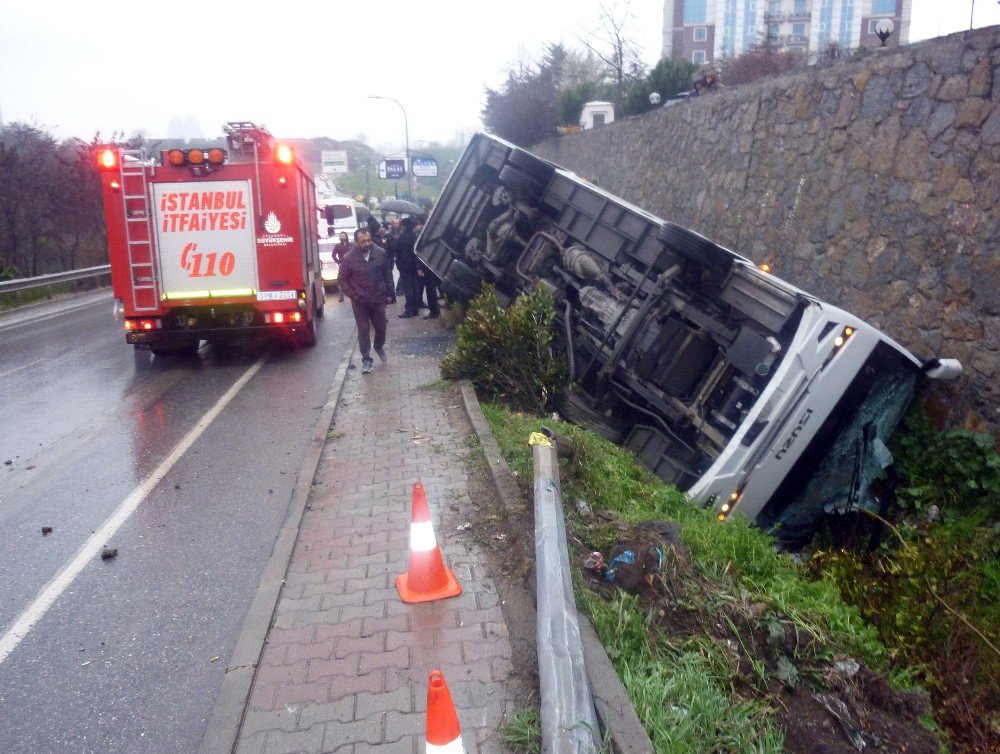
x: 307, y: 335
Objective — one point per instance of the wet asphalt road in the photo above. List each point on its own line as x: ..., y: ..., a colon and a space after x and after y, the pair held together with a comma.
x: 130, y: 654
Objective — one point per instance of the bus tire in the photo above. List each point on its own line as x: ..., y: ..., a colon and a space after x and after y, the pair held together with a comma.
x: 531, y: 166
x: 693, y: 246
x: 522, y: 185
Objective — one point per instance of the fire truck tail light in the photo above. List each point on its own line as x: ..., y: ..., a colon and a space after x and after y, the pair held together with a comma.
x: 108, y: 159
x: 176, y: 157
x: 284, y: 154
x: 282, y: 318
x: 195, y: 157
x: 141, y: 324
x: 216, y: 156
x: 115, y: 185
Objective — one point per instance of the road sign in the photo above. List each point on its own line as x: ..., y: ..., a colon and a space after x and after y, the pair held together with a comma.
x: 334, y: 162
x: 425, y: 167
x: 392, y: 169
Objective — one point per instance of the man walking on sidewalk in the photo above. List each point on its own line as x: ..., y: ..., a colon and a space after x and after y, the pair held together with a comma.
x: 366, y: 279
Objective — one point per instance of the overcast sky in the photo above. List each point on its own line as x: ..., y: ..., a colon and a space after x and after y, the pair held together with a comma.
x: 302, y: 68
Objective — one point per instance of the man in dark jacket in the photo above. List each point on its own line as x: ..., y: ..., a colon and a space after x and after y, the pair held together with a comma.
x: 366, y: 278
x: 406, y: 262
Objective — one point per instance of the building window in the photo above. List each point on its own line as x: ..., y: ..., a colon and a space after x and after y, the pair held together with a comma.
x: 700, y: 33
x: 774, y: 6
x: 800, y: 7
x: 695, y: 11
x: 885, y: 7
x: 698, y: 57
x: 773, y: 31
x: 798, y: 31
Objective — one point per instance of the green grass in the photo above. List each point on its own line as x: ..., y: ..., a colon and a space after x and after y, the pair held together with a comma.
x: 523, y: 732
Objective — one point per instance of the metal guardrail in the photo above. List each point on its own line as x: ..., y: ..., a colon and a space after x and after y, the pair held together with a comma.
x: 569, y: 720
x: 43, y: 281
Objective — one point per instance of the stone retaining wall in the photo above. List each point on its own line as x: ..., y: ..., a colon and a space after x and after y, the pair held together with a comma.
x: 873, y: 183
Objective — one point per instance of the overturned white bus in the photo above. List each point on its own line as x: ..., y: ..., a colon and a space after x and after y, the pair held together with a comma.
x: 752, y: 395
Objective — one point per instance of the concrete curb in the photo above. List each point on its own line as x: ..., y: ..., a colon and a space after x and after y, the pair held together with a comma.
x: 226, y: 718
x: 614, y: 709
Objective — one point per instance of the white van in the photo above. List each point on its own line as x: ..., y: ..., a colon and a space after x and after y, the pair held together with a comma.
x: 336, y: 215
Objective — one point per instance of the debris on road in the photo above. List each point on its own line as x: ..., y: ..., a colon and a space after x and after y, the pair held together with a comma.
x: 109, y: 552
x: 46, y: 531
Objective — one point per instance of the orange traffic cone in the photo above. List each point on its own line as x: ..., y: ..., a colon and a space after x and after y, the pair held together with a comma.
x: 427, y: 579
x: 444, y: 736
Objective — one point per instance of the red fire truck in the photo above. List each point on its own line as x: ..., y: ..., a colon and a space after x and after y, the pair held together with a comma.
x: 213, y: 243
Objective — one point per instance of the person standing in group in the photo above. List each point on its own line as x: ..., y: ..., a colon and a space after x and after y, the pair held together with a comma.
x: 339, y: 254
x: 406, y: 263
x: 426, y: 281
x: 366, y: 278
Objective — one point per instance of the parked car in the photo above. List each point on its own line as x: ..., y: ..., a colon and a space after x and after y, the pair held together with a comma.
x: 752, y: 395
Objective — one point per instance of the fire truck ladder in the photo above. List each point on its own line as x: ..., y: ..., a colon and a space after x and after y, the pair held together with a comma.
x: 139, y: 229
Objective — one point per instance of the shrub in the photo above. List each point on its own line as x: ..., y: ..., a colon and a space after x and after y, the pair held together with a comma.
x: 507, y: 353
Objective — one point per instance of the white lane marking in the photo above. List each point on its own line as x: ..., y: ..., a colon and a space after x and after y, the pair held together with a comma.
x: 50, y: 593
x: 22, y: 366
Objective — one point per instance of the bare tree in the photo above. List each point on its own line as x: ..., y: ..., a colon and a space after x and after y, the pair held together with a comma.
x: 611, y: 43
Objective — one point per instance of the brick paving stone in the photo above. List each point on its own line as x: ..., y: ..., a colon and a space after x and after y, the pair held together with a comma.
x: 472, y: 651
x: 317, y: 650
x: 341, y: 710
x: 367, y: 731
x: 351, y: 629
x: 405, y: 745
x: 399, y: 722
x: 272, y: 674
x: 374, y: 660
x: 330, y: 669
x: 292, y: 693
x: 282, y: 742
x: 341, y: 686
x: 366, y: 705
x: 286, y: 718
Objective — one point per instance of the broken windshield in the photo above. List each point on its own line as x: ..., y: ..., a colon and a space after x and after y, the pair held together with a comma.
x: 836, y: 472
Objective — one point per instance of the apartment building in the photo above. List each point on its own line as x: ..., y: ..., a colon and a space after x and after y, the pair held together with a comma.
x: 701, y: 31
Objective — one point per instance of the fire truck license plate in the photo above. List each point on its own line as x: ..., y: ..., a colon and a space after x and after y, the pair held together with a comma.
x: 275, y: 295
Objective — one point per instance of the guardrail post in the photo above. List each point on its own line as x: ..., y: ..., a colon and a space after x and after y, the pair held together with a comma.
x: 569, y: 722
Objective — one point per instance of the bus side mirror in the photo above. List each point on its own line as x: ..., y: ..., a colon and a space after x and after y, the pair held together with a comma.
x: 943, y: 369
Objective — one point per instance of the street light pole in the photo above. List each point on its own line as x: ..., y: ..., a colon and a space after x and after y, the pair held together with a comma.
x: 406, y: 129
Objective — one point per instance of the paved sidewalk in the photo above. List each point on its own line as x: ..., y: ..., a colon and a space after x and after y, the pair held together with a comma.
x: 346, y: 662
